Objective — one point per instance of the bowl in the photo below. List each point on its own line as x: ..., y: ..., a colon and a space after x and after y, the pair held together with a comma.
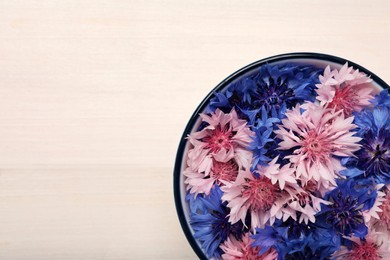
x: 313, y: 59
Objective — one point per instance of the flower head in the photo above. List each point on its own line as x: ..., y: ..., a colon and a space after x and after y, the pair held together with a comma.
x: 349, y: 200
x: 373, y: 214
x: 373, y: 160
x: 263, y: 145
x: 250, y: 194
x: 219, y: 151
x: 278, y: 174
x: 375, y: 246
x: 345, y: 89
x: 317, y: 136
x: 383, y: 220
x: 307, y: 205
x: 209, y: 220
x: 235, y: 249
x: 294, y: 240
x: 274, y: 87
x: 220, y: 171
x: 382, y: 99
x: 261, y: 197
x: 304, y: 202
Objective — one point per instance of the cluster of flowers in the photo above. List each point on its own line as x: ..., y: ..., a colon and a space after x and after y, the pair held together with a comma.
x: 291, y: 162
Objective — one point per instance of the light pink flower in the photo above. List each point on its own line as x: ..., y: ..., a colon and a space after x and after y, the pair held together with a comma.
x: 372, y: 213
x: 301, y: 200
x: 218, y: 151
x: 307, y: 204
x: 317, y: 135
x: 345, y: 89
x: 241, y: 250
x: 278, y: 174
x: 384, y: 213
x: 226, y: 137
x: 375, y: 246
x: 259, y: 197
x: 220, y: 171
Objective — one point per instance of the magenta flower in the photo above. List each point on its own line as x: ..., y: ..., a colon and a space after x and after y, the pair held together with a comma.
x: 242, y: 250
x: 316, y: 135
x: 219, y: 151
x: 345, y: 89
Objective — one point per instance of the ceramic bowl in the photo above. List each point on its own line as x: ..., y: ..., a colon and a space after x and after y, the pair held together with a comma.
x: 316, y: 59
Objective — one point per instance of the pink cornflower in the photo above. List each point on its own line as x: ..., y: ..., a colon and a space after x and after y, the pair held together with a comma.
x: 317, y: 135
x: 307, y: 204
x: 384, y: 213
x: 224, y: 138
x: 345, y: 89
x: 218, y: 152
x: 242, y: 250
x: 220, y: 171
x: 301, y: 200
x: 256, y: 196
x: 374, y: 213
x: 375, y: 246
x: 278, y: 174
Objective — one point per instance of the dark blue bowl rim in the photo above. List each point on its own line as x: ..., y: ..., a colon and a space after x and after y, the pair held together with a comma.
x: 203, y: 104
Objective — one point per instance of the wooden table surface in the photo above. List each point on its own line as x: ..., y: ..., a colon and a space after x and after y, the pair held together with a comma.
x: 95, y: 96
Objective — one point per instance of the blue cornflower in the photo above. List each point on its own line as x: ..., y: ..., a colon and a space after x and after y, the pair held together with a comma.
x: 274, y: 87
x: 349, y: 199
x: 264, y: 144
x: 382, y: 99
x: 209, y: 220
x: 285, y: 85
x: 294, y: 240
x: 266, y: 238
x: 373, y: 159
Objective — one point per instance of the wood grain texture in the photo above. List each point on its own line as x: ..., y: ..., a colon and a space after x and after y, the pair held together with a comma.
x: 95, y: 95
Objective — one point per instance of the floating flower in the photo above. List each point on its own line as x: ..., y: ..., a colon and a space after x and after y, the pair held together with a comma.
x: 384, y: 211
x: 307, y: 205
x: 273, y: 87
x: 376, y: 210
x: 264, y: 144
x: 293, y: 240
x: 382, y: 99
x: 220, y: 171
x: 219, y: 150
x: 305, y: 202
x: 251, y: 194
x: 256, y: 195
x: 345, y: 89
x: 235, y: 249
x: 349, y: 200
x: 277, y: 174
x: 373, y: 159
x: 224, y: 138
x: 209, y: 220
x: 375, y: 246
x: 317, y: 137
x: 284, y: 86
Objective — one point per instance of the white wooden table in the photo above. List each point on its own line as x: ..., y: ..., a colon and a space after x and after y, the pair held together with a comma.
x: 95, y: 95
